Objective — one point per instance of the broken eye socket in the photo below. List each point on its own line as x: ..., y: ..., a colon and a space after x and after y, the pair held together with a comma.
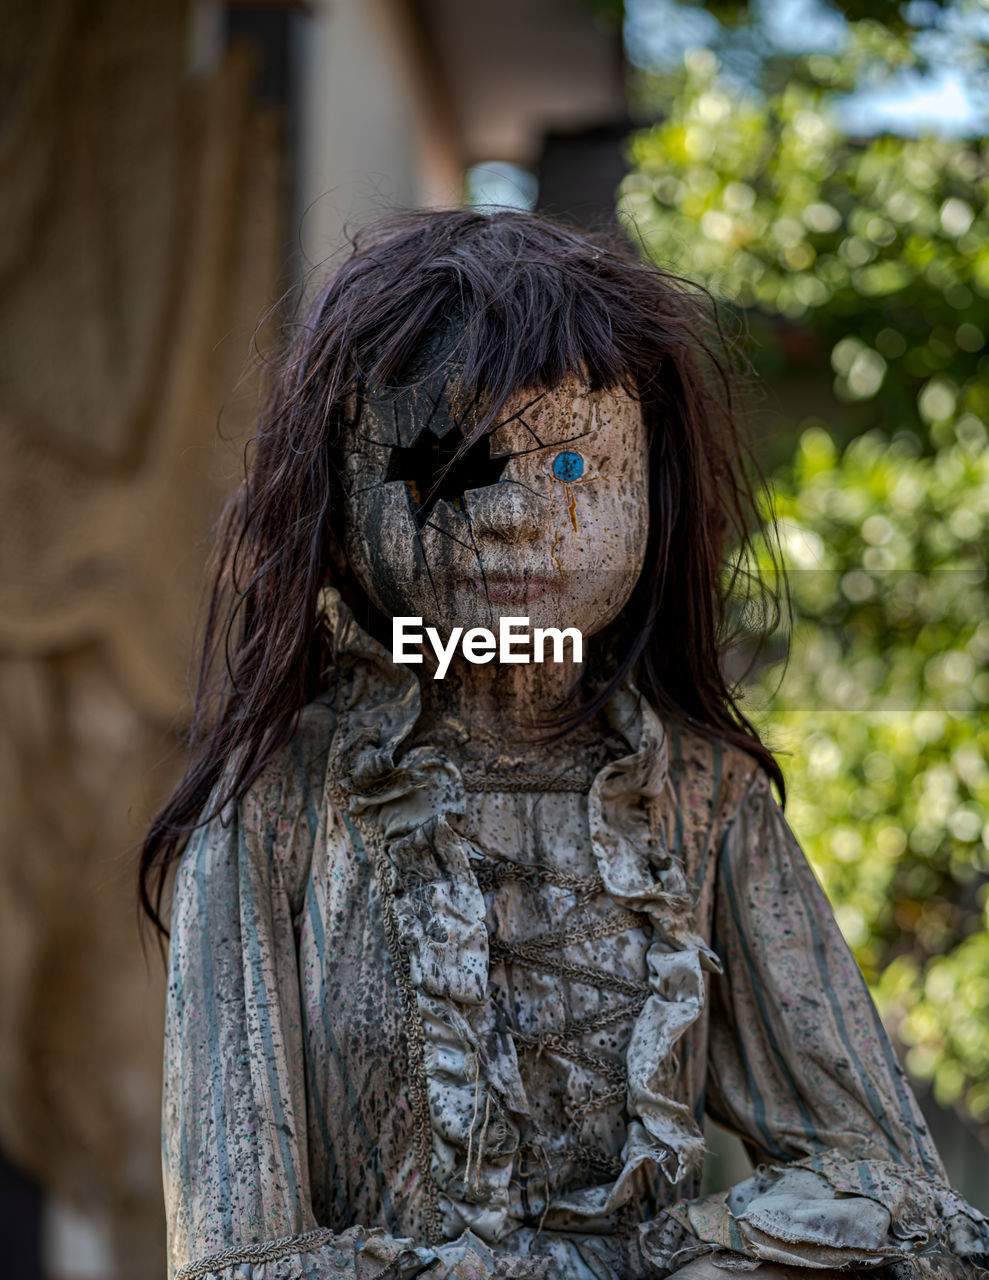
x: 429, y: 459
x: 568, y: 465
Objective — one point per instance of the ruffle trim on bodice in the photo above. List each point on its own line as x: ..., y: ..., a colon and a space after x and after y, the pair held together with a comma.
x: 468, y: 1094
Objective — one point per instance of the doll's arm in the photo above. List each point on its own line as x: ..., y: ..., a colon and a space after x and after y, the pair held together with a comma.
x: 234, y: 1116
x: 802, y: 1069
x: 235, y: 1134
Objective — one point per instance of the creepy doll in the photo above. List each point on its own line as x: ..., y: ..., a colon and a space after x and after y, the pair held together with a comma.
x: 460, y: 958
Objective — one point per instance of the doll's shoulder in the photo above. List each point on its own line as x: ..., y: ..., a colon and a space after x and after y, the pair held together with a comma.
x: 709, y: 779
x: 292, y: 780
x: 269, y: 832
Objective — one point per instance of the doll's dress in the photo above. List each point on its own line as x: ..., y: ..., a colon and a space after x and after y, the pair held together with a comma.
x: 413, y: 1023
x: 567, y: 978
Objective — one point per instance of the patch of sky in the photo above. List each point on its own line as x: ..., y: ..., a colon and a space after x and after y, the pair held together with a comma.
x: 659, y: 32
x: 949, y: 94
x: 942, y: 100
x: 496, y: 184
x: 802, y: 26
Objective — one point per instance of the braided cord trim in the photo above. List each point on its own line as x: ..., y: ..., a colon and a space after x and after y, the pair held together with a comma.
x: 497, y: 870
x: 266, y: 1251
x: 608, y: 927
x: 581, y: 973
x: 495, y: 780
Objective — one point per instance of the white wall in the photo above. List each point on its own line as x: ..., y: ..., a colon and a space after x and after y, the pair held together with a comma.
x: 370, y: 138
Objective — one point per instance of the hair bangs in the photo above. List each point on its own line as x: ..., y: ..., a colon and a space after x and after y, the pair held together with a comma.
x: 508, y: 306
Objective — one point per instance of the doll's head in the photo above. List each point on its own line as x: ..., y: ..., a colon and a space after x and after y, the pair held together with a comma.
x: 544, y: 514
x: 480, y: 414
x: 511, y: 414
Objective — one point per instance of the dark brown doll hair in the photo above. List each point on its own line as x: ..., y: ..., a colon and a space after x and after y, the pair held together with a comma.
x: 534, y: 301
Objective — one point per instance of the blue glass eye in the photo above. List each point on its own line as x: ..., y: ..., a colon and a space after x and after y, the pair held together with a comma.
x: 568, y: 466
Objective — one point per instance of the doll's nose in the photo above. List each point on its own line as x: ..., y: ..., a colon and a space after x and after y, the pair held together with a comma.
x: 506, y: 510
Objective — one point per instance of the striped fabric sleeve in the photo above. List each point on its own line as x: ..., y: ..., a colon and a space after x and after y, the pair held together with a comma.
x: 801, y: 1068
x: 235, y: 1142
x: 234, y: 1114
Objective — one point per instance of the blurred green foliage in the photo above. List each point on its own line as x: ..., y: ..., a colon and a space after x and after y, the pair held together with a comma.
x: 877, y: 252
x: 862, y: 266
x: 897, y: 14
x: 882, y: 709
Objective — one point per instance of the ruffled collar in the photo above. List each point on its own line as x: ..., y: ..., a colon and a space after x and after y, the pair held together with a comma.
x: 472, y: 1095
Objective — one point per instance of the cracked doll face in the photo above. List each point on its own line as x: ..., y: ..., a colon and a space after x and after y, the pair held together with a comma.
x: 545, y: 517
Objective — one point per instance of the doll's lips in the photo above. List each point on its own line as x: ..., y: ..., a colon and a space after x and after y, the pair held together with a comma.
x: 511, y: 588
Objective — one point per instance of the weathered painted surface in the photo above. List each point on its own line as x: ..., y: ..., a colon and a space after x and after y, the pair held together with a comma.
x: 569, y: 548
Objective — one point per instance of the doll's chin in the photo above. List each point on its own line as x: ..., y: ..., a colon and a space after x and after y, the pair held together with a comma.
x: 586, y: 599
x: 560, y: 604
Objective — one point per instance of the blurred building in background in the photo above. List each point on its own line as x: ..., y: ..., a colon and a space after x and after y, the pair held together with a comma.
x: 169, y: 170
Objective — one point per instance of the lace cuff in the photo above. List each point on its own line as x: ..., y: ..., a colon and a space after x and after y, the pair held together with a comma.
x: 315, y: 1255
x: 827, y: 1211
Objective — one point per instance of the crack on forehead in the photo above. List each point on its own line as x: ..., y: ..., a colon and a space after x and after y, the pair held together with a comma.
x: 427, y: 394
